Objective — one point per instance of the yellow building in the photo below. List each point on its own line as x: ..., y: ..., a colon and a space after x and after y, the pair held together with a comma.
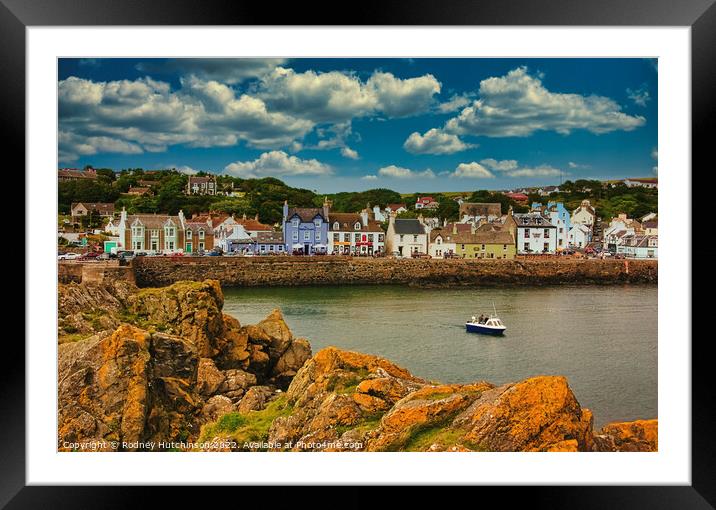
x: 496, y: 244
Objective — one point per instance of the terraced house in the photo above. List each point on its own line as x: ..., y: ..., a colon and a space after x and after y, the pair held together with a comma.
x: 535, y: 234
x: 487, y: 243
x: 355, y: 234
x: 163, y: 233
x: 305, y: 229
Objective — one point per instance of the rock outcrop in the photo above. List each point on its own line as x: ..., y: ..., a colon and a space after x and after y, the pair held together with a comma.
x: 632, y: 436
x: 173, y: 367
x: 168, y: 361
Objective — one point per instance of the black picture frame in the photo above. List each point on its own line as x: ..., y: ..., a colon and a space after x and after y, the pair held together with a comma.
x: 700, y: 15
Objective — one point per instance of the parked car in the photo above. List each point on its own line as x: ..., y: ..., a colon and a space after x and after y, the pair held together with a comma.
x: 213, y: 253
x: 90, y: 255
x: 418, y: 255
x: 67, y: 256
x: 125, y: 255
x: 103, y: 256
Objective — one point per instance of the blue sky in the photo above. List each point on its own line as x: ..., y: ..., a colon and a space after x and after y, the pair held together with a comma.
x: 354, y: 124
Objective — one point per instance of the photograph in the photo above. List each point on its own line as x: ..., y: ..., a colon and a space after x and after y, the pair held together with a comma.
x: 358, y: 254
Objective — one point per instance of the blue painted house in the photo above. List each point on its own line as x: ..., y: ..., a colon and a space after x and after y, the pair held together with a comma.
x: 305, y: 229
x: 559, y: 217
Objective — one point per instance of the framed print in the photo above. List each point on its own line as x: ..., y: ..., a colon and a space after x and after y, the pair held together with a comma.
x: 425, y: 248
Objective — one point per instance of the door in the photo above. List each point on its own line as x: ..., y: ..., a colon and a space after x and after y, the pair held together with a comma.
x: 306, y: 249
x: 188, y: 247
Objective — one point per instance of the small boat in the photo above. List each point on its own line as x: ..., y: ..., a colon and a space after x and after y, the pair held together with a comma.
x: 490, y: 326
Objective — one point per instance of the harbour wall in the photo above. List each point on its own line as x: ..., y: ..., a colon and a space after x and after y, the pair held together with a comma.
x: 330, y: 270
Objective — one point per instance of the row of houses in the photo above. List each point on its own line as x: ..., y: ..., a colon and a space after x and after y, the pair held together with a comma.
x: 482, y: 231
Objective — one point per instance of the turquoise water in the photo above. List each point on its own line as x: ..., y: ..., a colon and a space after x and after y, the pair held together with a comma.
x: 603, y: 339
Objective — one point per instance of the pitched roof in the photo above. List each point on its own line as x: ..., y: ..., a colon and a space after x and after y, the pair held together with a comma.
x: 532, y: 220
x: 480, y: 209
x: 76, y: 173
x: 100, y: 207
x: 495, y: 237
x: 461, y: 227
x: 252, y: 224
x: 395, y: 207
x: 138, y: 190
x: 153, y: 220
x: 306, y: 213
x: 408, y: 226
x: 269, y: 237
x: 201, y: 179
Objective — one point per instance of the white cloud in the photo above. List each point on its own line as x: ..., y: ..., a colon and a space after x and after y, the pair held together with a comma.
x: 349, y: 153
x: 518, y: 104
x: 71, y: 146
x: 226, y: 70
x: 397, y: 172
x: 572, y: 164
x: 400, y: 98
x: 186, y: 170
x: 370, y: 178
x: 435, y: 141
x: 473, y: 171
x: 640, y: 96
x: 145, y: 114
x: 655, y: 156
x: 337, y: 97
x: 456, y: 102
x: 277, y: 163
x: 511, y: 168
x: 505, y: 165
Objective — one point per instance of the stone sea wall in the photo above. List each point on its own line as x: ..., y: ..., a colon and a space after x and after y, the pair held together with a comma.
x: 296, y: 271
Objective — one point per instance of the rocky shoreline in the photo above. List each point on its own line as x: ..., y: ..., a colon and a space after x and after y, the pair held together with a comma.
x: 160, y: 369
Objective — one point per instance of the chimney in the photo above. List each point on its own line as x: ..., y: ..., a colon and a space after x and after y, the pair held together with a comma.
x: 364, y: 217
x: 181, y: 217
x: 244, y: 216
x: 256, y: 217
x: 420, y: 219
x: 454, y: 228
x: 285, y: 210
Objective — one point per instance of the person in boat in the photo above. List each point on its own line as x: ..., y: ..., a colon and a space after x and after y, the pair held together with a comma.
x: 482, y: 319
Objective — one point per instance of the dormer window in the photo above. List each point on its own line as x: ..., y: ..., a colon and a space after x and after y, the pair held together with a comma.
x: 317, y: 222
x: 356, y: 226
x: 201, y: 234
x: 294, y: 222
x: 188, y: 234
x: 336, y: 226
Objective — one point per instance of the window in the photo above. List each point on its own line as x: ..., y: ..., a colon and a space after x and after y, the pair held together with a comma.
x: 318, y: 235
x: 138, y: 231
x: 201, y: 246
x: 527, y: 247
x: 380, y: 238
x: 356, y: 226
x: 155, y: 233
x: 438, y: 240
x: 504, y: 246
x: 270, y: 247
x: 527, y: 233
x: 137, y: 245
x: 347, y: 237
x: 546, y: 247
x: 356, y: 237
x: 294, y: 222
x: 546, y: 233
x: 401, y: 238
x: 201, y: 234
x: 336, y: 238
x: 307, y: 235
x: 295, y: 236
x: 317, y: 222
x: 336, y: 226
x: 169, y: 231
x: 415, y: 239
x: 483, y: 246
x: 280, y: 247
x: 370, y: 238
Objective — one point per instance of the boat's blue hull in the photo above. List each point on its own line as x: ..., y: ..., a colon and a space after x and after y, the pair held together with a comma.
x: 479, y: 328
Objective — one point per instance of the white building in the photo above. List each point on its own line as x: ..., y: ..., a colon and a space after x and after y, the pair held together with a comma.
x: 535, y: 234
x: 232, y: 237
x: 579, y: 236
x: 112, y: 226
x: 405, y: 237
x: 642, y: 183
x: 584, y: 214
x: 639, y: 246
x: 442, y: 243
x: 354, y: 234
